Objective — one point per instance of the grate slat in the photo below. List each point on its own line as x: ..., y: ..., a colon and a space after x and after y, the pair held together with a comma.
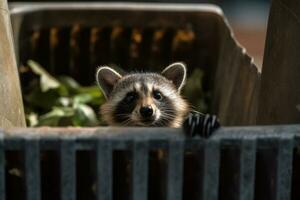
x: 284, y: 168
x: 32, y: 169
x: 68, y: 169
x: 276, y: 163
x: 2, y: 167
x: 104, y: 170
x: 175, y: 169
x: 247, y: 169
x: 211, y: 169
x: 140, y: 170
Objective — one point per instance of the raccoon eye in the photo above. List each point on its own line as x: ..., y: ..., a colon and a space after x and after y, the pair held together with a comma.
x: 157, y: 95
x: 130, y: 97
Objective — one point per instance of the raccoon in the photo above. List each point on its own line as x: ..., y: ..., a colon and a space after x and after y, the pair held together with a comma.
x: 151, y: 100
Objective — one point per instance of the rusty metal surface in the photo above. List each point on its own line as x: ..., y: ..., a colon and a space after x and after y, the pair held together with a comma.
x: 11, y: 106
x: 231, y: 76
x: 279, y: 101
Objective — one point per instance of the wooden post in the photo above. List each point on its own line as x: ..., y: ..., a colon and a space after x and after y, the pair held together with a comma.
x: 11, y: 106
x: 279, y: 101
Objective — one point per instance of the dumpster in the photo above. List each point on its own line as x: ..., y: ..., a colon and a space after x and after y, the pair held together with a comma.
x: 95, y: 34
x: 242, y: 162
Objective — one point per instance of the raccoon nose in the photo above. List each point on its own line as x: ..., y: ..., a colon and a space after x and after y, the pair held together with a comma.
x: 146, y: 111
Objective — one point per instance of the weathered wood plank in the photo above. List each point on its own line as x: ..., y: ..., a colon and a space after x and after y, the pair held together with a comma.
x: 279, y: 101
x: 11, y: 107
x: 236, y: 82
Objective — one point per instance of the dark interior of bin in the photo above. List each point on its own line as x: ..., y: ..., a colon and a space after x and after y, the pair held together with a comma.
x: 264, y: 182
x: 76, y: 42
x: 86, y: 175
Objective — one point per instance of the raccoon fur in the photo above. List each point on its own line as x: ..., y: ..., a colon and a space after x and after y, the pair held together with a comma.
x: 149, y: 99
x: 144, y: 99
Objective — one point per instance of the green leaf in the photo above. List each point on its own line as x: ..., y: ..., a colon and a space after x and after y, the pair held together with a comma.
x: 46, y: 80
x: 93, y: 90
x: 32, y: 119
x: 95, y: 93
x: 84, y: 116
x: 49, y: 121
x: 53, y: 117
x: 193, y: 90
x: 82, y: 98
x: 69, y: 82
x: 64, y: 101
x: 61, y: 101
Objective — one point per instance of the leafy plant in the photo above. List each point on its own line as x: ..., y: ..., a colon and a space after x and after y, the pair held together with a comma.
x: 194, y: 91
x: 60, y: 102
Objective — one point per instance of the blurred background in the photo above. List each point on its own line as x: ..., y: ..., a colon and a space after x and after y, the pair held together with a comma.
x: 249, y: 21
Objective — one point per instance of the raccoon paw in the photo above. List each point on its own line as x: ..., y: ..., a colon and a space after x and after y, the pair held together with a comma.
x: 200, y: 124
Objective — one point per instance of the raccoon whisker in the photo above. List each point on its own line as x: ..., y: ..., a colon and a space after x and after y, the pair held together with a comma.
x: 126, y: 122
x: 166, y: 119
x: 167, y: 116
x: 160, y: 123
x: 163, y: 121
x: 167, y: 113
x: 166, y: 109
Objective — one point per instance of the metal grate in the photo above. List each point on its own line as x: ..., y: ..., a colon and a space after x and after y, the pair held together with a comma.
x: 260, y: 167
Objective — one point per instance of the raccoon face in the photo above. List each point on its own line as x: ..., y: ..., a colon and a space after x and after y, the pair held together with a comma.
x: 143, y: 99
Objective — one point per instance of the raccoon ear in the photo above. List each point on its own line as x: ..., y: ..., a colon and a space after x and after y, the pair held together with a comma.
x: 106, y: 78
x: 175, y: 72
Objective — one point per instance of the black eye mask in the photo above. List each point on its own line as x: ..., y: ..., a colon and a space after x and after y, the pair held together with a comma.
x: 125, y: 107
x: 130, y: 97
